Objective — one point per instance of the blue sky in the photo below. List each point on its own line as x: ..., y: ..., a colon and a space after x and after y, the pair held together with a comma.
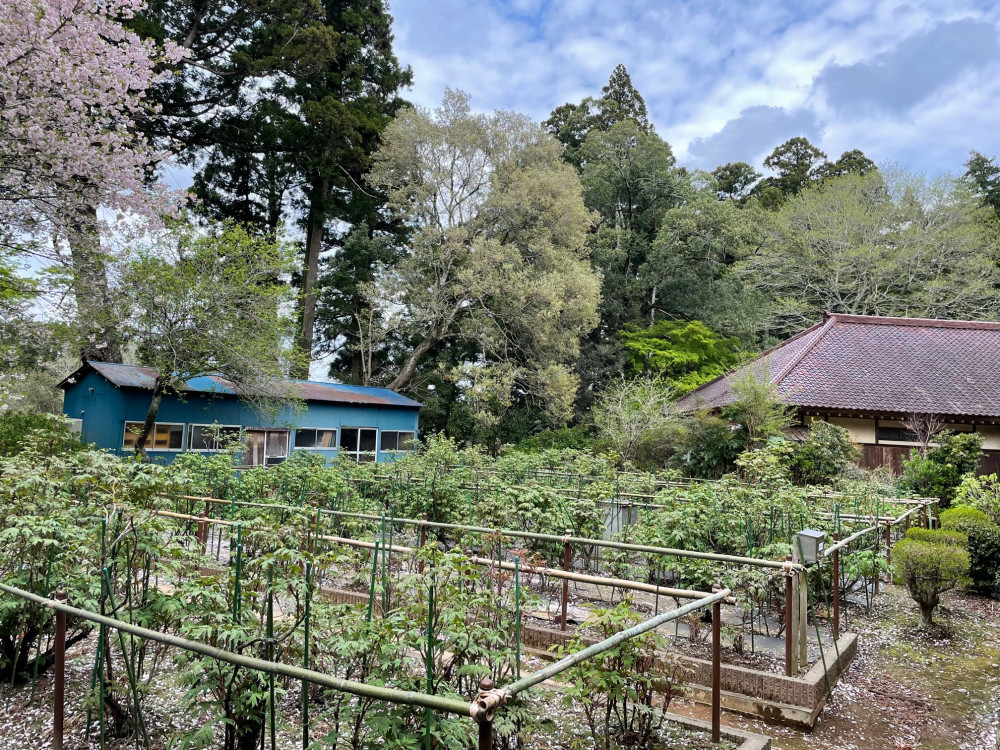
x: 912, y: 82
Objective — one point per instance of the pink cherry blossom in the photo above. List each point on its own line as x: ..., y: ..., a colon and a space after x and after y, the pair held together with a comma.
x: 72, y: 87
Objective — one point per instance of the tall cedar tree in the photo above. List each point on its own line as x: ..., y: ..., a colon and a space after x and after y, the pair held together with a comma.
x: 280, y: 105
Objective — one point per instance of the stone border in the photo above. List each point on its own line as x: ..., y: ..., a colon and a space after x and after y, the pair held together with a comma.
x: 775, y: 698
x: 748, y: 740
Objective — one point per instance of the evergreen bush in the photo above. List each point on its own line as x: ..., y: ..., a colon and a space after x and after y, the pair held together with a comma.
x: 928, y: 570
x: 984, y: 547
x: 940, y: 473
x: 828, y: 454
x: 937, y: 536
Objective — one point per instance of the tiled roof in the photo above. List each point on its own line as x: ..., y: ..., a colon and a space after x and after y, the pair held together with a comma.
x: 887, y: 365
x: 132, y: 376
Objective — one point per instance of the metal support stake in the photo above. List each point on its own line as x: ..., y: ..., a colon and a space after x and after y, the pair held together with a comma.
x: 60, y: 675
x: 486, y: 721
x: 888, y: 544
x: 716, y: 671
x: 202, y: 532
x: 423, y: 540
x: 802, y: 620
x: 836, y: 589
x: 565, y: 591
x: 789, y: 625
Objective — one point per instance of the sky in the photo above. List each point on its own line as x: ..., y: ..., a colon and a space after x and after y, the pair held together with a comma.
x: 910, y: 82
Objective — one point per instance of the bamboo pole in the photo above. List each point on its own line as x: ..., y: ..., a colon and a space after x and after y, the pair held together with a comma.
x: 789, y: 625
x: 375, y: 692
x: 305, y: 660
x: 586, y: 541
x: 607, y: 644
x: 836, y: 590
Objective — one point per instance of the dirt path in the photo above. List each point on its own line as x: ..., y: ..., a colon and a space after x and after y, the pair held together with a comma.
x: 908, y: 688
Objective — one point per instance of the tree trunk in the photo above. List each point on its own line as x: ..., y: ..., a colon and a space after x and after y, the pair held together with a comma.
x: 147, y: 426
x: 409, y: 369
x: 99, y: 337
x: 434, y: 337
x: 927, y: 613
x: 310, y: 272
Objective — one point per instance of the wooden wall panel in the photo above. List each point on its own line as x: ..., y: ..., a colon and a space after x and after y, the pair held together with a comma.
x: 891, y: 456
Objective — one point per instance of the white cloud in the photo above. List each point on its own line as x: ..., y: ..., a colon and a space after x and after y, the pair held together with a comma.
x: 700, y: 67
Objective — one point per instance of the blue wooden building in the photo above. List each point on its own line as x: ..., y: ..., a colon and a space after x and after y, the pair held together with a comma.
x: 110, y: 401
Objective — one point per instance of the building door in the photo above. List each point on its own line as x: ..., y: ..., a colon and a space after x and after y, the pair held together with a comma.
x: 265, y: 447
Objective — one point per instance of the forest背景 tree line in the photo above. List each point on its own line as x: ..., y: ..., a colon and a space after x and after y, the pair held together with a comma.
x: 501, y: 271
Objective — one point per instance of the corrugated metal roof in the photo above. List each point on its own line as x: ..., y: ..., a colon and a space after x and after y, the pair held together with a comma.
x: 880, y: 364
x: 132, y: 376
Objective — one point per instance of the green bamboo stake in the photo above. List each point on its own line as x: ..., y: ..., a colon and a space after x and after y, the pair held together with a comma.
x: 371, y: 588
x: 103, y: 636
x: 305, y: 661
x: 129, y: 667
x: 383, y: 564
x: 385, y: 581
x: 98, y: 658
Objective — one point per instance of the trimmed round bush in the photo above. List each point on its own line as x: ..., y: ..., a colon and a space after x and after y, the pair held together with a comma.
x: 928, y: 570
x: 937, y: 536
x: 957, y: 519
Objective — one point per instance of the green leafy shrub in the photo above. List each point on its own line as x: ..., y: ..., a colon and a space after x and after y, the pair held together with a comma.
x: 960, y: 519
x: 758, y: 410
x: 580, y: 437
x: 620, y: 689
x: 928, y: 570
x: 984, y: 547
x: 48, y: 433
x: 687, y: 353
x: 706, y: 446
x: 943, y: 469
x: 827, y: 455
x: 981, y: 493
x: 937, y: 536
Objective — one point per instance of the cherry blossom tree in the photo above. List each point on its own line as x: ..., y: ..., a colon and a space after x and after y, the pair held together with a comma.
x: 72, y: 88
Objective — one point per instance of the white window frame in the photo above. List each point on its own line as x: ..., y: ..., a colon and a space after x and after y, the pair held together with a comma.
x: 192, y: 425
x: 149, y: 449
x: 356, y: 455
x: 396, y: 450
x: 334, y: 447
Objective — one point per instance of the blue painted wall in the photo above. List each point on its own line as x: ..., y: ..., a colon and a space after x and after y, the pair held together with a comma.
x: 104, y: 408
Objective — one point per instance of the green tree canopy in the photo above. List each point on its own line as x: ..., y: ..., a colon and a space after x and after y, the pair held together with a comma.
x: 210, y: 305
x: 497, y: 257
x: 735, y: 179
x: 686, y: 353
x: 982, y: 175
x: 690, y: 273
x: 878, y: 244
